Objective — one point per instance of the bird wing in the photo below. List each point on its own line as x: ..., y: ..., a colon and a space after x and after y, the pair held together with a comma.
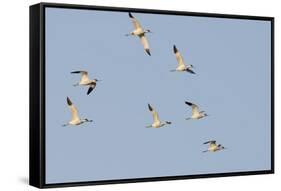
x: 84, y: 75
x: 195, y: 108
x: 145, y: 43
x: 213, y: 145
x: 190, y: 71
x: 178, y: 57
x: 135, y: 22
x: 154, y: 114
x: 91, y: 88
x: 73, y: 110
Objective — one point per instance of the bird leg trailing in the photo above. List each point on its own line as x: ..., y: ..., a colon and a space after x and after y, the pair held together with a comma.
x: 77, y: 84
x: 188, y: 118
x: 205, y: 151
x: 129, y: 34
x: 64, y: 125
x: 173, y: 70
x: 148, y: 126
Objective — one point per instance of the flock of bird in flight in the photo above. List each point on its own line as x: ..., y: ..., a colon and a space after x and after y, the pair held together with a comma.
x: 140, y: 32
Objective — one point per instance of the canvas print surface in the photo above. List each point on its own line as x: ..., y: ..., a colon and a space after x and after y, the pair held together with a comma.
x: 135, y: 95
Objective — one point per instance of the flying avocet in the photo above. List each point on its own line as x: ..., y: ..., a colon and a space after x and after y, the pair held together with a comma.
x: 196, y: 114
x: 85, y: 81
x: 75, y: 119
x: 181, y: 65
x: 140, y: 32
x: 213, y: 147
x: 156, y: 121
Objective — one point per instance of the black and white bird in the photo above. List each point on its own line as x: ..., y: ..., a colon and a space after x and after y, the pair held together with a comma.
x: 75, y: 119
x: 181, y: 67
x: 140, y: 32
x: 85, y: 81
x: 196, y: 113
x: 213, y: 146
x: 156, y: 121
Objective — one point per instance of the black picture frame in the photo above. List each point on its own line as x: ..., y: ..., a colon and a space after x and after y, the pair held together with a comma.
x: 37, y: 95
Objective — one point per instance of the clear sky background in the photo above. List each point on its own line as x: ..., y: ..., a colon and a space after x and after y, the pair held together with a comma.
x: 232, y: 84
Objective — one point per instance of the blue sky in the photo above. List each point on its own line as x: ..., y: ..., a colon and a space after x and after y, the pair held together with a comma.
x: 232, y: 84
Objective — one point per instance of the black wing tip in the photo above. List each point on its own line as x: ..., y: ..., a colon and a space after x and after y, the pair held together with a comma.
x: 130, y: 15
x: 211, y: 141
x: 191, y: 71
x: 169, y: 122
x: 148, y: 52
x: 149, y: 107
x: 75, y: 72
x: 89, y: 90
x: 175, y: 49
x: 188, y: 103
x: 68, y: 101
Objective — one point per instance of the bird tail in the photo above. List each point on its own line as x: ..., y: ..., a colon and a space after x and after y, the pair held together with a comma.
x: 205, y: 151
x: 148, y: 126
x: 188, y: 118
x: 173, y: 70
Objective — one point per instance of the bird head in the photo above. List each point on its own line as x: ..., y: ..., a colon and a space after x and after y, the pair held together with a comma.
x: 221, y: 147
x: 87, y: 120
x: 147, y: 31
